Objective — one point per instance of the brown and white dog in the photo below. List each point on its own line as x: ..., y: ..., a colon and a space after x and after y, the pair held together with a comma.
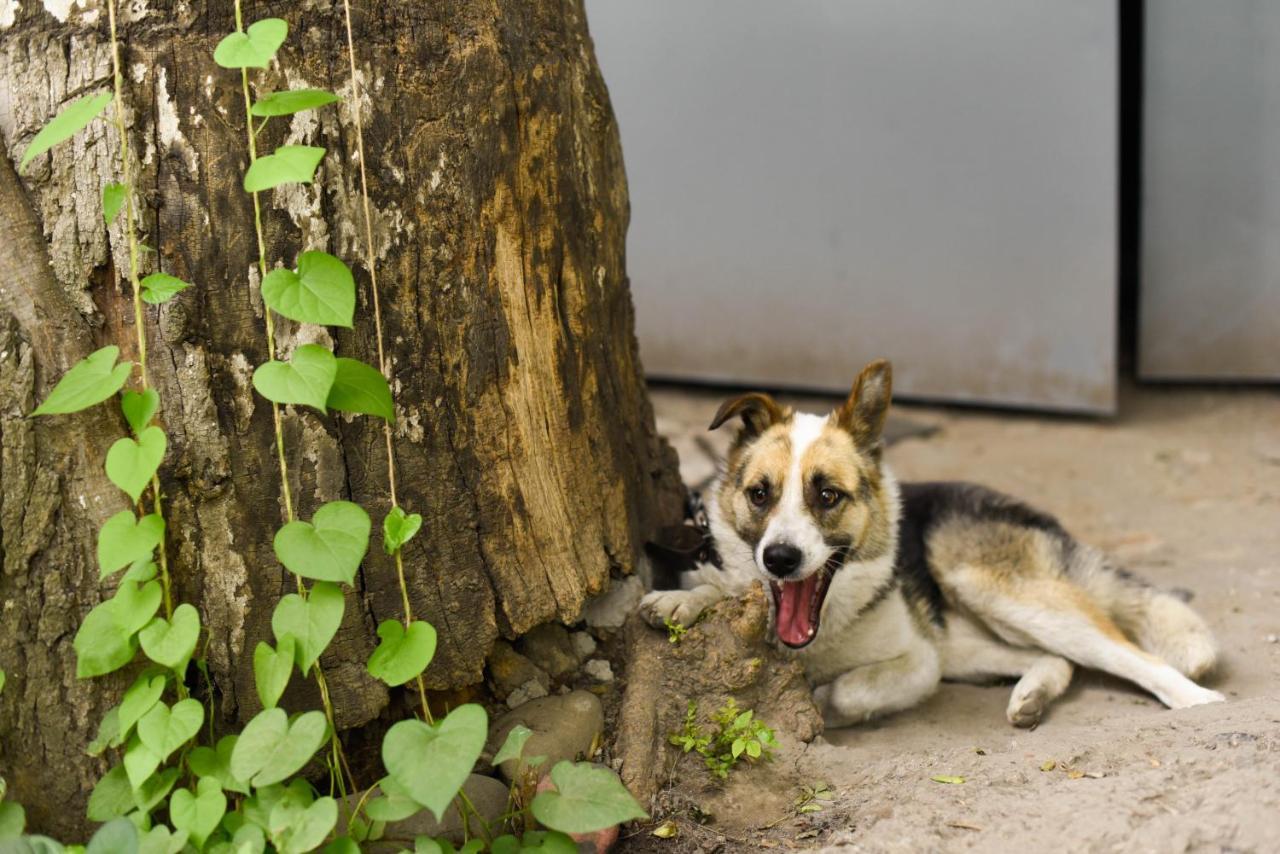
x: 884, y: 589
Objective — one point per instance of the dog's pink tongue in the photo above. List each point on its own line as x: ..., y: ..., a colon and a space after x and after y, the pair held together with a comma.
x: 795, y: 626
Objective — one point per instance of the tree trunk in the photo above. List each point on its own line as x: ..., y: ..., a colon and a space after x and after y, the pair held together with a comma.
x: 523, y: 435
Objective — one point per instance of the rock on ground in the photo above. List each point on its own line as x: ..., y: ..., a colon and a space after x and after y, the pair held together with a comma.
x: 564, y: 727
x: 723, y: 655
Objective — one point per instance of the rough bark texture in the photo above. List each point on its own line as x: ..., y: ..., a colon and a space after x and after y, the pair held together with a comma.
x: 524, y: 435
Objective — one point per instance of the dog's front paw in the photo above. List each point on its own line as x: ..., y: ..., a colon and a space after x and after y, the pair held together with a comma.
x: 678, y: 606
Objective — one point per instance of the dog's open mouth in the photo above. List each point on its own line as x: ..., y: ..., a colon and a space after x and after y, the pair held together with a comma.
x: 798, y: 606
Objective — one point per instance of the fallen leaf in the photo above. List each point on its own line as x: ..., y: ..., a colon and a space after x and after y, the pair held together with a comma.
x: 947, y: 778
x: 1048, y: 765
x: 963, y: 825
x: 666, y: 830
x: 980, y: 751
x: 1155, y: 763
x: 1074, y: 775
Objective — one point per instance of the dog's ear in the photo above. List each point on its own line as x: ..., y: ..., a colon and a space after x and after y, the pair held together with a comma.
x: 759, y: 412
x: 863, y: 414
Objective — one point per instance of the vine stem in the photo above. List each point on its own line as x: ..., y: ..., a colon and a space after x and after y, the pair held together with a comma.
x: 130, y: 219
x: 337, y: 760
x: 377, y: 326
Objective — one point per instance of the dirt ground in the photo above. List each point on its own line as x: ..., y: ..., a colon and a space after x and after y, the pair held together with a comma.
x: 1184, y: 489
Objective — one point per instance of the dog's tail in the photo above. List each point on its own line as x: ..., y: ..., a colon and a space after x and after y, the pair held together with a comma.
x: 1159, y: 621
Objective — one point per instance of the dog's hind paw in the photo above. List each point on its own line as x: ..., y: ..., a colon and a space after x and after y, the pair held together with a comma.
x: 1025, y: 710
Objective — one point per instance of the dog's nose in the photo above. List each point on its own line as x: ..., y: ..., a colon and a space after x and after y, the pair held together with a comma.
x: 782, y: 558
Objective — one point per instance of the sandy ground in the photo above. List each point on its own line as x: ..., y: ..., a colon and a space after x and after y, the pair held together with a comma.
x: 1184, y: 489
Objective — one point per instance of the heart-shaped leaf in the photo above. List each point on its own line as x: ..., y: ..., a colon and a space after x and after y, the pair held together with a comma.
x: 587, y: 798
x: 130, y: 463
x: 399, y: 528
x: 513, y: 746
x: 159, y: 288
x: 141, y: 697
x: 140, y: 762
x: 311, y: 622
x: 289, y: 164
x: 305, y: 379
x: 291, y: 101
x: 101, y: 643
x: 65, y: 125
x: 161, y: 840
x: 272, y: 668
x: 330, y: 546
x: 395, y: 803
x: 125, y: 539
x: 402, y: 655
x: 112, y: 200
x: 135, y: 604
x: 118, y: 836
x: 141, y: 571
x: 163, y: 730
x: 432, y: 762
x: 112, y: 796
x: 254, y: 48
x: 216, y: 763
x: 155, y: 790
x: 270, y: 749
x: 199, y: 812
x: 320, y: 291
x: 172, y: 643
x: 139, y: 407
x: 298, y: 830
x: 359, y: 388
x: 91, y: 380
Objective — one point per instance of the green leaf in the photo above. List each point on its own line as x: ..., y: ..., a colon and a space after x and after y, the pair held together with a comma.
x: 2, y: 678
x: 305, y: 379
x: 552, y: 841
x: 947, y: 778
x: 91, y: 380
x: 738, y: 746
x: 402, y: 655
x: 432, y: 762
x: 753, y: 749
x: 399, y: 528
x: 254, y: 48
x: 13, y: 819
x: 342, y: 845
x: 130, y: 464
x: 330, y: 546
x: 118, y: 836
x: 272, y: 668
x: 360, y: 388
x: 290, y: 164
x: 142, y: 695
x: 65, y: 125
x: 306, y: 829
x: 320, y: 291
x: 125, y: 539
x: 140, y: 762
x: 271, y: 749
x: 155, y: 790
x: 161, y: 840
x: 513, y: 746
x: 312, y: 622
x: 216, y: 763
x: 395, y: 803
x: 163, y: 730
x: 587, y: 798
x: 172, y: 643
x: 112, y: 796
x: 108, y: 733
x: 198, y: 814
x: 135, y: 604
x: 102, y: 643
x: 112, y: 200
x: 291, y: 101
x: 140, y: 571
x: 159, y: 288
x: 139, y: 408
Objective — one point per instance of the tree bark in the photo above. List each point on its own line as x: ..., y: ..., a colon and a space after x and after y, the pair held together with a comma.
x: 523, y: 435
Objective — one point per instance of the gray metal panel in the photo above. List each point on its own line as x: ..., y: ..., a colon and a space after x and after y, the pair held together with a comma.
x: 818, y: 183
x: 1210, y: 300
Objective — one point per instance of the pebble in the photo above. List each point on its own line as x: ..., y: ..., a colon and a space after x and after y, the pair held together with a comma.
x: 564, y: 727
x: 599, y: 670
x: 1273, y: 638
x: 611, y: 608
x: 583, y: 645
x: 549, y: 647
x: 530, y: 690
x: 511, y: 671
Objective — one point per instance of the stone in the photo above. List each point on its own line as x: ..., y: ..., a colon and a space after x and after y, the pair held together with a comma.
x: 583, y: 645
x: 611, y: 608
x: 509, y: 671
x: 530, y: 690
x: 488, y: 796
x: 549, y: 647
x: 599, y: 670
x: 564, y: 727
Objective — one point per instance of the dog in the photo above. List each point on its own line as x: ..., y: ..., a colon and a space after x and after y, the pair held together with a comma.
x: 884, y: 589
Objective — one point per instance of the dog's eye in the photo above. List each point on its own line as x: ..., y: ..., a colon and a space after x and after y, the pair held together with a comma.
x: 830, y: 497
x: 758, y: 495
